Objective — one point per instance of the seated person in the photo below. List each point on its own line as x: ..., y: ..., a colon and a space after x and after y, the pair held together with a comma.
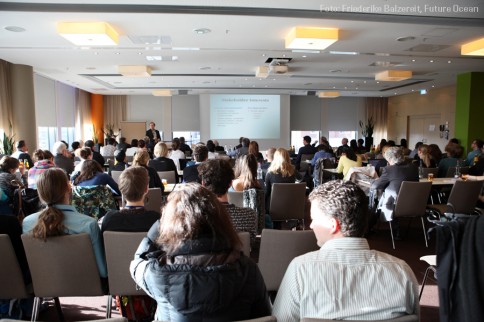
x: 92, y: 175
x: 307, y: 148
x: 141, y: 158
x: 217, y: 175
x: 161, y: 162
x: 133, y: 183
x: 84, y: 154
x: 176, y: 154
x: 43, y: 160
x: 59, y: 217
x: 454, y: 153
x: 190, y: 173
x: 192, y: 263
x: 8, y: 168
x: 245, y: 174
x: 120, y: 161
x: 347, y: 160
x: 62, y: 157
x: 324, y: 152
x: 96, y: 156
x: 269, y: 158
x: 390, y: 181
x: 254, y: 149
x: 344, y: 280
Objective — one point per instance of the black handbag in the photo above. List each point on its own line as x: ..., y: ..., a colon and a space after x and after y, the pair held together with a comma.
x: 26, y: 201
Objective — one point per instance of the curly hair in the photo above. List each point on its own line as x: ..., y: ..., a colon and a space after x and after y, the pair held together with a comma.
x: 193, y: 212
x: 345, y: 202
x: 216, y: 175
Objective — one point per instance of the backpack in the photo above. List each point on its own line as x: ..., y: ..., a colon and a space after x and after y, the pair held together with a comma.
x: 138, y: 308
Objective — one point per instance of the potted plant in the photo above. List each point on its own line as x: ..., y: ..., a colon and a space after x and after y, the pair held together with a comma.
x: 367, y: 132
x: 8, y: 142
x: 109, y: 132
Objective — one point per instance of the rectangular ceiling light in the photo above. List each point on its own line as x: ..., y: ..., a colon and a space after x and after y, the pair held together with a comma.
x: 393, y: 75
x: 262, y: 72
x: 134, y: 70
x: 474, y: 48
x: 311, y: 38
x: 161, y: 92
x: 88, y: 33
x: 332, y: 94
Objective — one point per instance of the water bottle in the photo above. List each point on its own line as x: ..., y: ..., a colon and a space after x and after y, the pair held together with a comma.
x: 259, y: 172
x: 457, y: 170
x: 420, y: 170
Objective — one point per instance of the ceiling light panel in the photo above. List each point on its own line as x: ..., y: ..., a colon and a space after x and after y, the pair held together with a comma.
x: 311, y: 38
x: 88, y: 33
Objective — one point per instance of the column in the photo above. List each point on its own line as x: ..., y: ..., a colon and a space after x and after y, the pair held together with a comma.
x: 97, y: 114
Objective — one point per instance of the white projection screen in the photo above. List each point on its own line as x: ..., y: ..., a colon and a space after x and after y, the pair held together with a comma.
x: 254, y: 116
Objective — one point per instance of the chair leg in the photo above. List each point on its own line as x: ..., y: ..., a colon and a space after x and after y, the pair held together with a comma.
x: 391, y: 232
x: 59, y: 309
x: 35, y: 309
x: 109, y: 306
x: 426, y: 275
x: 425, y: 235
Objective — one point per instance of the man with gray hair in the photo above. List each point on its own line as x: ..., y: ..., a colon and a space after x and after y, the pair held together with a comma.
x: 344, y: 280
x: 390, y: 181
x: 62, y: 158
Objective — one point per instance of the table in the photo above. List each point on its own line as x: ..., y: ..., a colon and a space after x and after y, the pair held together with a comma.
x: 440, y: 181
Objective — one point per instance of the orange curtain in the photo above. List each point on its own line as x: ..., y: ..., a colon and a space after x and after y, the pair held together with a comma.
x: 97, y: 114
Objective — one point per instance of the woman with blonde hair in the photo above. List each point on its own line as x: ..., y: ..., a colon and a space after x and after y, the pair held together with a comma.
x: 245, y: 174
x: 141, y: 158
x: 280, y: 171
x: 191, y: 263
x: 60, y: 217
x: 425, y: 160
x: 161, y: 162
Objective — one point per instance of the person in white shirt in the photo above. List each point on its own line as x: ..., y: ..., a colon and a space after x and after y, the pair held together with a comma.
x: 108, y: 150
x: 344, y: 280
x: 176, y: 154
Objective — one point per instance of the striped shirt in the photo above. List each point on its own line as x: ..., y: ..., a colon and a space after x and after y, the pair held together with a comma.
x: 346, y: 280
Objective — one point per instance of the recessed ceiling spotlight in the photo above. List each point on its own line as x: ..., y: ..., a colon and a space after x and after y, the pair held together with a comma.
x: 205, y: 68
x: 96, y: 53
x: 431, y: 60
x: 140, y: 53
x: 263, y: 55
x: 307, y: 84
x: 352, y: 81
x: 273, y: 79
x: 408, y: 38
x: 378, y: 82
x: 90, y: 68
x: 433, y: 86
x: 304, y: 56
x: 117, y: 53
x: 14, y: 29
x: 449, y: 61
x: 202, y: 31
x: 335, y: 71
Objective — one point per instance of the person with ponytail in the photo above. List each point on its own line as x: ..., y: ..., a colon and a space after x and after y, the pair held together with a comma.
x: 59, y: 217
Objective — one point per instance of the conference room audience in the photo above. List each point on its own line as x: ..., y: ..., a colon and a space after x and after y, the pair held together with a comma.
x: 43, y: 160
x: 324, y: 152
x: 133, y: 184
x: 344, y: 145
x: 211, y: 150
x: 454, y: 153
x: 185, y: 147
x: 344, y: 280
x: 476, y: 151
x: 141, y: 158
x: 62, y: 158
x: 347, y: 160
x: 360, y: 148
x: 120, y: 159
x: 307, y: 148
x: 245, y: 174
x: 404, y: 146
x: 254, y: 149
x: 161, y: 162
x: 414, y: 153
x: 176, y: 154
x: 244, y: 149
x: 96, y: 156
x: 354, y: 145
x: 192, y: 265
x: 92, y: 174
x: 435, y: 153
x: 133, y: 148
x: 280, y: 171
x: 107, y: 151
x: 8, y: 167
x: 122, y: 145
x: 59, y: 217
x: 190, y: 173
x: 269, y: 158
x: 22, y: 153
x: 216, y: 176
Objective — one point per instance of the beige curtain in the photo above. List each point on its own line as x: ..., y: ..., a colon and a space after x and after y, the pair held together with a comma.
x: 82, y: 118
x: 6, y: 108
x: 377, y: 107
x: 115, y: 110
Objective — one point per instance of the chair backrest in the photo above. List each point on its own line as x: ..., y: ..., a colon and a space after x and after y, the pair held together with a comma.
x: 451, y: 171
x: 115, y: 175
x: 245, y: 239
x: 305, y: 157
x: 405, y: 318
x: 154, y: 200
x: 288, y: 201
x: 11, y: 278
x: 278, y: 248
x: 120, y: 248
x: 412, y: 199
x: 304, y: 166
x: 168, y: 175
x: 426, y: 171
x: 236, y: 198
x: 93, y: 201
x: 463, y: 196
x: 62, y: 266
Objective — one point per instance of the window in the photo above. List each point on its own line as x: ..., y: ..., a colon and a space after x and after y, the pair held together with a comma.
x: 335, y: 137
x: 297, y: 138
x: 67, y: 134
x: 190, y: 137
x: 49, y: 135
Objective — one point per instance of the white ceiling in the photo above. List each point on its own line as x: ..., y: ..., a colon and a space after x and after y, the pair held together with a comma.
x: 243, y: 35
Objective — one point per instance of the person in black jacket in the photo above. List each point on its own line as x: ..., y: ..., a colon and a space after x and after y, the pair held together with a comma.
x: 306, y: 149
x: 141, y: 158
x: 96, y: 156
x: 161, y: 162
x: 193, y: 266
x: 190, y: 173
x: 153, y: 134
